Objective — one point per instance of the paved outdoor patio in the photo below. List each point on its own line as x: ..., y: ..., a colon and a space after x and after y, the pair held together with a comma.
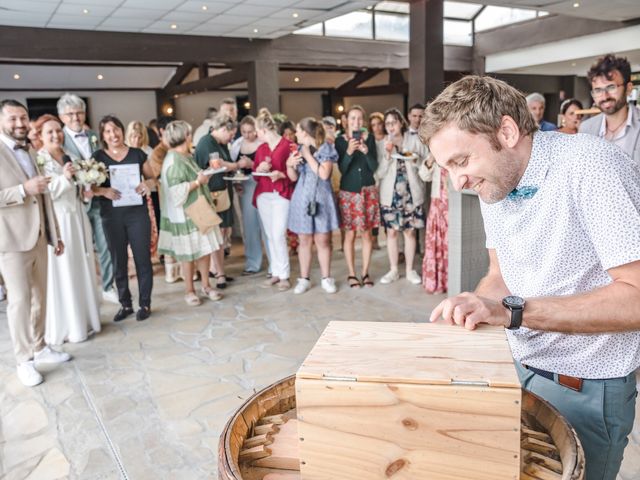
x: 148, y: 400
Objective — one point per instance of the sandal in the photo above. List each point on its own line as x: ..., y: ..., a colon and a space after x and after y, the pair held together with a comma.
x: 192, y: 299
x: 353, y: 282
x: 221, y: 284
x: 212, y: 294
x: 366, y: 281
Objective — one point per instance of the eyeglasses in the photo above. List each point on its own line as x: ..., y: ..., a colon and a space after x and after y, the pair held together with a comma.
x: 596, y: 92
x: 74, y: 114
x: 391, y: 124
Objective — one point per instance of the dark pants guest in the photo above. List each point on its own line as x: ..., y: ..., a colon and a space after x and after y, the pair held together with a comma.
x: 130, y: 226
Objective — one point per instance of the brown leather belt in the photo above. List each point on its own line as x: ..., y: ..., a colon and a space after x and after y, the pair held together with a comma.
x: 574, y: 383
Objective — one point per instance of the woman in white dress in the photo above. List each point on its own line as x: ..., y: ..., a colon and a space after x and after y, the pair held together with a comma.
x: 72, y: 294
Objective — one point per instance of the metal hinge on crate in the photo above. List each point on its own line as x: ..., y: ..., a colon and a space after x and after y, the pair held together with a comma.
x: 470, y: 383
x: 339, y: 379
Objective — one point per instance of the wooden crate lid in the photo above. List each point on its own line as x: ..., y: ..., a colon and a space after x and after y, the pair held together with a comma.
x: 423, y: 353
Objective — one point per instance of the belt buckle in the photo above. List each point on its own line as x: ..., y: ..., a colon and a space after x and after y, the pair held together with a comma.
x: 573, y: 383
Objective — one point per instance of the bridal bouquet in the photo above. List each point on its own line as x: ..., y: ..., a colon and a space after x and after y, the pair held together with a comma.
x: 90, y: 172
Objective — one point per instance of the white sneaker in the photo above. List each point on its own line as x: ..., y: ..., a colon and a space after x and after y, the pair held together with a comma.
x: 110, y: 296
x: 329, y: 285
x: 28, y: 374
x: 390, y: 277
x: 50, y: 356
x: 414, y: 278
x: 302, y: 286
x: 3, y: 293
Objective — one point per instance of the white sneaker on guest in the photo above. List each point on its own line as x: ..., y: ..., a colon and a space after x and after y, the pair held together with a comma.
x: 110, y: 296
x: 28, y: 374
x: 3, y: 293
x: 50, y: 356
x: 329, y: 285
x: 414, y: 278
x: 390, y: 277
x: 302, y: 286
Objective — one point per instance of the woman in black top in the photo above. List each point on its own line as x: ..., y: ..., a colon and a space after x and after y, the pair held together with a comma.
x: 223, y: 128
x: 126, y: 225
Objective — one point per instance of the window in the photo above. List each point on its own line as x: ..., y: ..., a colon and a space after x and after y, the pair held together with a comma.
x: 395, y: 7
x: 315, y: 29
x: 492, y: 17
x: 355, y: 24
x: 457, y: 32
x: 392, y: 27
x: 463, y: 11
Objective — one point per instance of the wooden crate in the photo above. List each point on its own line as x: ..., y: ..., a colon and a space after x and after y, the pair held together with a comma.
x: 409, y: 401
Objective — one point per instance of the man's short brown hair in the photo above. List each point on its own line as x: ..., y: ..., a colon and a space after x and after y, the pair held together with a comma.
x: 477, y: 104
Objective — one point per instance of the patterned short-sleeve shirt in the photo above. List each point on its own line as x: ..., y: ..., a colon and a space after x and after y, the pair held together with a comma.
x: 583, y: 220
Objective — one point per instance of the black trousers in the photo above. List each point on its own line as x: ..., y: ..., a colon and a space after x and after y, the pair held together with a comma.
x: 125, y: 226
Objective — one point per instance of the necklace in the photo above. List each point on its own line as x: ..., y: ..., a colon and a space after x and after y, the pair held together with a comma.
x: 614, y: 130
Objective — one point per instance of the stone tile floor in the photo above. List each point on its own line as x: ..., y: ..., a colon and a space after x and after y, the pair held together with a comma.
x: 148, y: 400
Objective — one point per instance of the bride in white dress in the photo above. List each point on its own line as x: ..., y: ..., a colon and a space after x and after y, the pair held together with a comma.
x: 72, y: 294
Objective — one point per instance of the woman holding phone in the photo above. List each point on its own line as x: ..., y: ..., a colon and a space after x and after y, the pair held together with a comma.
x: 72, y: 294
x: 358, y: 197
x: 313, y: 214
x: 402, y: 193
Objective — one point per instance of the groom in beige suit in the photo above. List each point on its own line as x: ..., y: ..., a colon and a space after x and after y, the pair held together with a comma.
x: 27, y: 224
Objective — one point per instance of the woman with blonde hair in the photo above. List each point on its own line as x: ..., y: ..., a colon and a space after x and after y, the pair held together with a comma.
x: 358, y: 197
x: 182, y: 183
x: 313, y: 214
x: 272, y: 196
x: 136, y: 136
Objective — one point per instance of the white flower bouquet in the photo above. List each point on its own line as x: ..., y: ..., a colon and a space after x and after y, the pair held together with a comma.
x: 90, y: 172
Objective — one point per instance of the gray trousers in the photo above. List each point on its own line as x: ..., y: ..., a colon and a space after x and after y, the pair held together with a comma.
x: 104, y: 257
x: 602, y: 414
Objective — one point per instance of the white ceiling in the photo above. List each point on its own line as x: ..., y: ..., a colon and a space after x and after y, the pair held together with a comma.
x: 613, y: 10
x: 61, y: 77
x: 228, y: 18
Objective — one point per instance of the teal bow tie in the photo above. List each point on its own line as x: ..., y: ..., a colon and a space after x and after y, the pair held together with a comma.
x: 523, y: 192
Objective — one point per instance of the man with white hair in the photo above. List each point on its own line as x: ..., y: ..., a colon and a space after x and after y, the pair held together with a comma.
x: 536, y: 104
x: 81, y: 143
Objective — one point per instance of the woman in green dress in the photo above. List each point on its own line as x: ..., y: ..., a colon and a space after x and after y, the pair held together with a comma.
x: 182, y: 181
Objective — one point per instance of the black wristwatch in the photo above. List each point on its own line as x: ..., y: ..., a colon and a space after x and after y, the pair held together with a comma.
x: 515, y: 305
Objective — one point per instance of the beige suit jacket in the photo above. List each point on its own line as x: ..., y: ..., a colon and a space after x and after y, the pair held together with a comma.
x: 20, y: 217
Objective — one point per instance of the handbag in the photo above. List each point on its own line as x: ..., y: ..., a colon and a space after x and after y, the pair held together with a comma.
x: 203, y: 215
x: 221, y: 200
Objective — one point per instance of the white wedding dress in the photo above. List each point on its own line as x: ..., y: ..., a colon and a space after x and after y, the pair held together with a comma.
x: 73, y: 298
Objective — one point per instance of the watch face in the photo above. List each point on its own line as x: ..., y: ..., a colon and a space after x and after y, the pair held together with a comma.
x: 514, y: 301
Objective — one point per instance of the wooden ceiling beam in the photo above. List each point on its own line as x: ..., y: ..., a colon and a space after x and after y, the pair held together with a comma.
x: 237, y: 75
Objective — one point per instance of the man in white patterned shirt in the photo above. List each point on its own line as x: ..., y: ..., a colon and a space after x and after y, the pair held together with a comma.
x: 564, y: 274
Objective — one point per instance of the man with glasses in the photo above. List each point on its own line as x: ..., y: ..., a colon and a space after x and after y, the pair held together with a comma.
x: 619, y: 121
x: 81, y: 143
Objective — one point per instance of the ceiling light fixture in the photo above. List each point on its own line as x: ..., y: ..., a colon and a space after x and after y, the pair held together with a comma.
x: 100, y: 76
x: 85, y: 11
x: 255, y: 30
x: 204, y: 8
x: 169, y: 110
x: 296, y: 79
x: 576, y: 5
x: 295, y: 15
x: 16, y: 76
x: 247, y: 105
x: 340, y: 108
x: 173, y: 26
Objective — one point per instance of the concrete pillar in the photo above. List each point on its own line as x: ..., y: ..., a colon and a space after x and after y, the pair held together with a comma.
x: 468, y: 257
x: 264, y: 86
x: 426, y: 52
